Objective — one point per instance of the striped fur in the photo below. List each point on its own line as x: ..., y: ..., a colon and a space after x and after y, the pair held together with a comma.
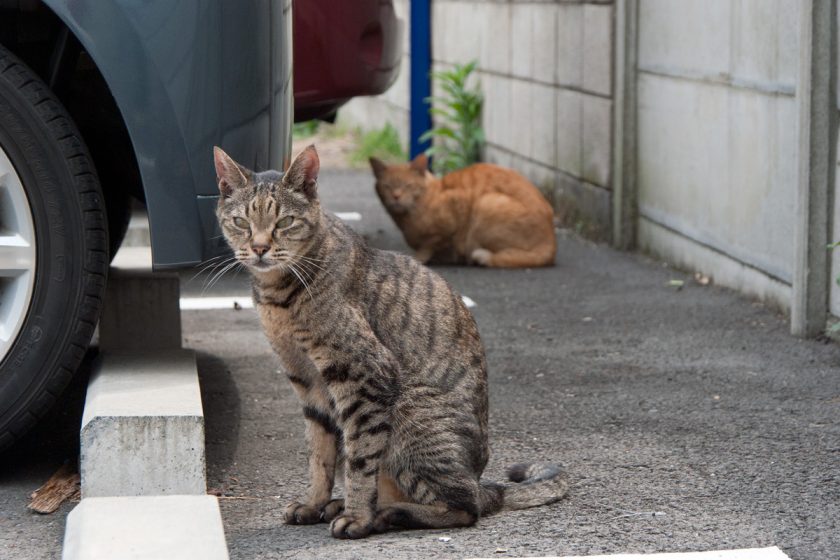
x: 384, y: 356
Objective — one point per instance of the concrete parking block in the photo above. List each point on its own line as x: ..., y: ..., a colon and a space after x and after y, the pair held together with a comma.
x: 141, y: 528
x: 143, y: 426
x: 141, y: 307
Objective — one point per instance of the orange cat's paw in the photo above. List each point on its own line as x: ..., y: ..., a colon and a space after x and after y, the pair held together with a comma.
x: 481, y: 257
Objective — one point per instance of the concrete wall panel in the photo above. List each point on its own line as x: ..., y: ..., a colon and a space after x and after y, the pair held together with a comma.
x: 715, y: 165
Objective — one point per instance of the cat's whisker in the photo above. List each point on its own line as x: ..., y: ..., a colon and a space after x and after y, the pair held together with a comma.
x: 218, y: 276
x: 212, y: 266
x: 302, y: 281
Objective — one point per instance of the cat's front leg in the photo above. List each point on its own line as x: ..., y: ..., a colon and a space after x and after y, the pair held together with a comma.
x: 322, y: 434
x: 365, y: 394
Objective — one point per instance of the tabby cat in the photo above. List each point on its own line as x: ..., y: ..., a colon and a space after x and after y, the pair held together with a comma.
x: 483, y: 214
x: 384, y: 356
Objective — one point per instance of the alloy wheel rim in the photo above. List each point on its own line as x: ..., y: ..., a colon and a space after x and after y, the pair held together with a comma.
x: 17, y: 255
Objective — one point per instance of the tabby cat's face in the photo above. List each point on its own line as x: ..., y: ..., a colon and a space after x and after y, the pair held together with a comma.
x: 268, y: 219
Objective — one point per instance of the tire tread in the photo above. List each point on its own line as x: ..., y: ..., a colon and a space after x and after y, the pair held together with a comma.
x: 58, y: 124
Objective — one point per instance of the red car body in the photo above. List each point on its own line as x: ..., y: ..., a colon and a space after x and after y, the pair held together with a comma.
x: 342, y: 49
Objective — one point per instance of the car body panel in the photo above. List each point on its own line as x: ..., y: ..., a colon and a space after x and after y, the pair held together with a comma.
x: 342, y: 50
x: 186, y: 76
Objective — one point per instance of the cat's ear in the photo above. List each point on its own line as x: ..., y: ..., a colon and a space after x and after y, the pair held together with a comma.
x: 378, y: 167
x: 420, y: 164
x: 303, y: 173
x: 229, y: 174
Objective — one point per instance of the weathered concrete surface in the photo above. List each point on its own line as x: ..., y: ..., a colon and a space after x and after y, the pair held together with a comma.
x: 143, y: 426
x: 770, y: 553
x: 141, y: 310
x: 145, y: 528
x: 696, y: 403
x: 717, y: 123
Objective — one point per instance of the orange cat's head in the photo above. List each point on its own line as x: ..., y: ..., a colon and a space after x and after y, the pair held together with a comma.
x: 400, y: 186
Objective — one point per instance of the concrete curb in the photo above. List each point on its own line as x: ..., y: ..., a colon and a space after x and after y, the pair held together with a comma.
x: 142, y: 459
x: 143, y: 426
x: 134, y: 528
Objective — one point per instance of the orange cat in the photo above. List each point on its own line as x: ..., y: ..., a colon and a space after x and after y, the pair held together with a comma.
x: 483, y: 214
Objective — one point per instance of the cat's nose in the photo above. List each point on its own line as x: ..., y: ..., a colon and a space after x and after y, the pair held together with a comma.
x: 259, y: 249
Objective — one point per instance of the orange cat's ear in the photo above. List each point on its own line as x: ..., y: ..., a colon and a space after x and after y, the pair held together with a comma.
x: 378, y: 167
x: 229, y: 174
x: 303, y: 173
x: 420, y: 164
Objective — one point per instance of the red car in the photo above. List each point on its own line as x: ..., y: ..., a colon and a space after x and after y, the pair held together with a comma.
x: 343, y: 49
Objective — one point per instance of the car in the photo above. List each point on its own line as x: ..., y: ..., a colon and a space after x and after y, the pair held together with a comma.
x: 343, y: 50
x: 105, y: 101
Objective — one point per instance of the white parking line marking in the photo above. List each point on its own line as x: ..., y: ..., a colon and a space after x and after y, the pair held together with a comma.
x: 193, y: 303
x: 201, y: 303
x: 348, y: 216
x: 771, y: 553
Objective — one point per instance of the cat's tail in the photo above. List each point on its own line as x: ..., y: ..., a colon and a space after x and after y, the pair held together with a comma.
x: 536, y: 484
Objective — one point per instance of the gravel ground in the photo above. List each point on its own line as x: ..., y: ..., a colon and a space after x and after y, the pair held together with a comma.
x: 687, y: 419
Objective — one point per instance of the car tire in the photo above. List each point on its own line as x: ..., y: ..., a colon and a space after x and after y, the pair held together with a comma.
x: 45, y: 168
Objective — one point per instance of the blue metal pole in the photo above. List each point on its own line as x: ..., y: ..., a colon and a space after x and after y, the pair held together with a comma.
x: 421, y: 66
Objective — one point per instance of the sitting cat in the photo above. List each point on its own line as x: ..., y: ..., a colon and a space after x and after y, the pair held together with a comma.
x: 483, y: 214
x: 384, y: 356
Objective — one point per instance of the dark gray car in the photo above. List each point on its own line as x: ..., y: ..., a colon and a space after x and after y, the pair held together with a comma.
x: 102, y: 101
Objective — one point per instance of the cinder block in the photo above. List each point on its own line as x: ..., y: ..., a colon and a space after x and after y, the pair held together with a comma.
x: 764, y: 43
x: 686, y: 36
x: 543, y: 124
x: 596, y: 145
x: 496, y: 40
x: 523, y: 115
x: 544, y: 43
x: 496, y: 155
x: 574, y: 199
x: 141, y: 309
x: 597, y: 48
x: 570, y: 45
x: 143, y: 426
x: 442, y: 26
x: 569, y: 131
x: 145, y: 528
x: 522, y: 29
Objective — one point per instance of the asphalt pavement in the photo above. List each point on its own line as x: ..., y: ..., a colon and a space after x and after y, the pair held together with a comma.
x: 688, y: 419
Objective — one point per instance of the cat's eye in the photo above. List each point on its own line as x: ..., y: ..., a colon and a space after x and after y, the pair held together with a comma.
x: 241, y: 223
x: 285, y: 222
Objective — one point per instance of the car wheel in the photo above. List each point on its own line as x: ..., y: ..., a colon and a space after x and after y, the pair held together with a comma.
x: 53, y: 248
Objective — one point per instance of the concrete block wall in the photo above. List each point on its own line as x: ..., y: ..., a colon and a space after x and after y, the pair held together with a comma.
x: 545, y: 68
x: 393, y: 105
x: 716, y: 139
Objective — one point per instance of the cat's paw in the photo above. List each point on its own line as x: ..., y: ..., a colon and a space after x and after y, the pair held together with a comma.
x: 349, y: 526
x: 301, y: 514
x: 332, y: 509
x: 481, y: 257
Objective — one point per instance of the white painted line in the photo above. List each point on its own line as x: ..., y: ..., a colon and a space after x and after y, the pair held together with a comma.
x: 771, y: 553
x: 468, y: 301
x: 348, y: 216
x: 193, y: 303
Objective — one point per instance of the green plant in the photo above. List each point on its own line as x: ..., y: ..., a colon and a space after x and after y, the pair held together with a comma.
x: 383, y: 143
x: 458, y: 134
x: 305, y: 129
